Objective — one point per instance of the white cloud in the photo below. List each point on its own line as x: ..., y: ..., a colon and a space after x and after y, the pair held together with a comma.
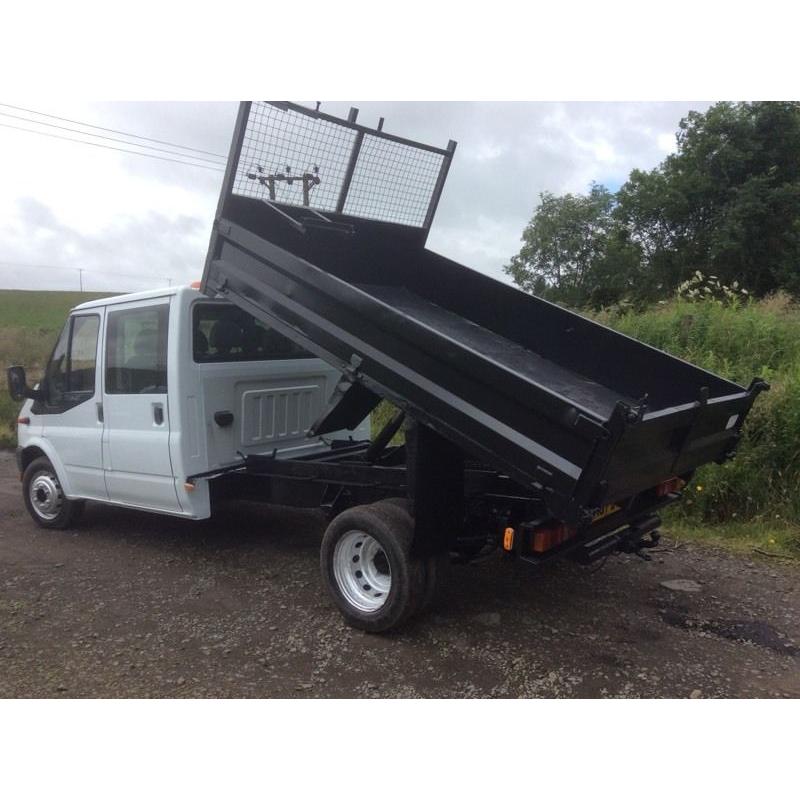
x: 117, y: 215
x: 666, y: 141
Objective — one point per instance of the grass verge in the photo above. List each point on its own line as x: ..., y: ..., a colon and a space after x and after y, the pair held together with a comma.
x: 781, y: 541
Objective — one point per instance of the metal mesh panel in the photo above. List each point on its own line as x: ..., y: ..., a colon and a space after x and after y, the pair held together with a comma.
x: 393, y: 182
x: 390, y: 181
x: 276, y: 139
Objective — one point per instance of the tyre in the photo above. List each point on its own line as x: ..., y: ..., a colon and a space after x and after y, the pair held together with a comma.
x: 437, y: 570
x: 367, y: 567
x: 437, y: 567
x: 44, y: 497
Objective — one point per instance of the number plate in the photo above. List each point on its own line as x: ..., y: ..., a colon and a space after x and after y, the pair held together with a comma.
x: 605, y: 511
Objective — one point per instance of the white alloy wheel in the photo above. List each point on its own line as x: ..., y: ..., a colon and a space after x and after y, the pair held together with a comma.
x: 45, y: 494
x: 361, y: 571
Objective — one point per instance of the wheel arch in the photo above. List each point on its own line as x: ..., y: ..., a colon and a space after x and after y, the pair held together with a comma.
x: 41, y: 447
x: 29, y: 454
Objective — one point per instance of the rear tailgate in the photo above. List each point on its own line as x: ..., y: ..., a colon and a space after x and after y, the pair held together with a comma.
x: 675, y: 441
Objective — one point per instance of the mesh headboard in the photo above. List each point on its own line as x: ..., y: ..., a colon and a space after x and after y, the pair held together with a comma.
x: 295, y: 156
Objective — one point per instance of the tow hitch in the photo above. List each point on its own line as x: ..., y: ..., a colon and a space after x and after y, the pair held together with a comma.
x: 627, y: 540
x: 637, y: 547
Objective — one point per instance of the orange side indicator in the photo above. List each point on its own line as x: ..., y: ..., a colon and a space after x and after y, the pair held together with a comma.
x: 549, y: 536
x: 194, y: 285
x: 508, y: 539
x: 189, y: 486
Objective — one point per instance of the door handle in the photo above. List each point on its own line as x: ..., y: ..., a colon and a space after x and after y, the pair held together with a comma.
x: 158, y: 413
x: 99, y: 412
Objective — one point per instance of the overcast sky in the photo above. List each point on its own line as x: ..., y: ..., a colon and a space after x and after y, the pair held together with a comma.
x: 134, y: 223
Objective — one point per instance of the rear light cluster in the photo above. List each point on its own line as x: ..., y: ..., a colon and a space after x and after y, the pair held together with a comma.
x: 543, y: 538
x: 668, y: 487
x: 549, y: 536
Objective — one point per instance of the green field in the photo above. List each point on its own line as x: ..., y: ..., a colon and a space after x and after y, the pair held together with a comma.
x: 40, y: 311
x: 29, y: 324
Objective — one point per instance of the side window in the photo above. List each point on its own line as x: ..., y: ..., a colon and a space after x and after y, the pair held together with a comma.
x: 83, y: 354
x: 226, y: 333
x: 55, y: 379
x: 70, y: 373
x: 136, y: 350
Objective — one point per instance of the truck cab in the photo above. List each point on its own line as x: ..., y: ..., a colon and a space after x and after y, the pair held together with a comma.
x: 143, y: 390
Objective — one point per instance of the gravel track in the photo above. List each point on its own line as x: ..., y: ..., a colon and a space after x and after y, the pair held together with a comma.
x: 138, y: 605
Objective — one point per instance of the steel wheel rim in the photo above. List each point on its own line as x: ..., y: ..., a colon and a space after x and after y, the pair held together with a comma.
x: 361, y: 571
x: 45, y: 495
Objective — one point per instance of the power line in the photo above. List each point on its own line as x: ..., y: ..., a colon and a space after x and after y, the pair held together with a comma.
x: 109, y: 147
x: 139, y: 277
x: 112, y: 130
x: 109, y: 138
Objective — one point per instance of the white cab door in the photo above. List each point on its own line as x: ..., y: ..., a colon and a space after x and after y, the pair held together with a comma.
x: 71, y: 413
x: 136, y: 410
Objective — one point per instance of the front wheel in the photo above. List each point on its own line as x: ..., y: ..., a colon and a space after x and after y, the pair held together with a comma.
x: 44, y: 497
x: 368, y: 569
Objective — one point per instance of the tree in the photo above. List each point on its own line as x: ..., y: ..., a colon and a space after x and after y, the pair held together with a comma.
x: 726, y: 203
x: 571, y: 248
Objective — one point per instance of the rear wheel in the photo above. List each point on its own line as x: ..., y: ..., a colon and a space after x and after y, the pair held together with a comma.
x: 44, y: 497
x: 368, y: 570
x: 437, y: 567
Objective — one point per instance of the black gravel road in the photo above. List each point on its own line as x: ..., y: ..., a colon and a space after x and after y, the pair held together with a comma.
x: 137, y: 605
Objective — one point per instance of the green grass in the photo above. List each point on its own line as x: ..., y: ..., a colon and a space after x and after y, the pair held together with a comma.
x: 761, y: 538
x: 40, y: 310
x: 29, y: 325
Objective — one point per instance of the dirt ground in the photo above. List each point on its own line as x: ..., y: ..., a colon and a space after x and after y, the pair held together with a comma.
x: 137, y: 605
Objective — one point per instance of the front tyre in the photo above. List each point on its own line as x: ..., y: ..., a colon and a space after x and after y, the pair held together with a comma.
x: 368, y: 570
x: 44, y: 497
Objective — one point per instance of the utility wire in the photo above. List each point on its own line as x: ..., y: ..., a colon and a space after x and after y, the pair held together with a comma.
x: 139, y: 277
x: 112, y: 130
x: 109, y: 147
x: 109, y: 138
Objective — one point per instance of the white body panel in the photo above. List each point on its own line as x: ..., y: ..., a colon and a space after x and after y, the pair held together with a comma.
x: 146, y: 445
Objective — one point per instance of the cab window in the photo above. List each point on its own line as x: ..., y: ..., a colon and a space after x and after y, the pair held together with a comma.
x: 70, y: 373
x: 226, y: 333
x: 136, y: 350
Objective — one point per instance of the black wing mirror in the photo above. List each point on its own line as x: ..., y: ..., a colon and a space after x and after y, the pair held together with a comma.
x: 18, y: 385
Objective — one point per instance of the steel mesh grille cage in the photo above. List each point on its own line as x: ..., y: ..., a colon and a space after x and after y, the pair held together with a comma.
x: 393, y: 182
x: 343, y: 170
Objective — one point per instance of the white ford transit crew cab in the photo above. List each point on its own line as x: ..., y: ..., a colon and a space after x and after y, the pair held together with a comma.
x: 143, y: 390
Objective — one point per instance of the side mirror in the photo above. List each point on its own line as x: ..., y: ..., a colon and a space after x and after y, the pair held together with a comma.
x: 18, y: 385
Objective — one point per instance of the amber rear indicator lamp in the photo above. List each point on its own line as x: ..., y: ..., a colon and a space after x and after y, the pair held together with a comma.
x: 508, y: 539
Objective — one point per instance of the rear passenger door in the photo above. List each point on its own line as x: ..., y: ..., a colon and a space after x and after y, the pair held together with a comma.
x: 138, y: 469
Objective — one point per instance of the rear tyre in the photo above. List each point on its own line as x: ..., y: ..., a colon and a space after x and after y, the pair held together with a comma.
x: 437, y: 567
x: 368, y: 570
x: 44, y: 497
x: 438, y: 572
